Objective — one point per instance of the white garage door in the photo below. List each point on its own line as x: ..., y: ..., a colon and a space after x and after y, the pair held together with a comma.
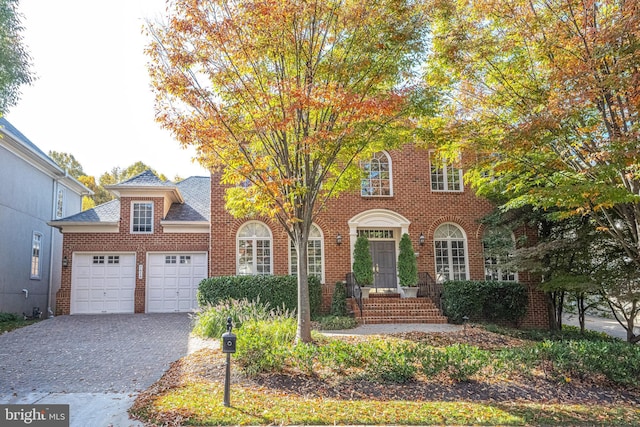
x: 172, y: 281
x: 103, y: 283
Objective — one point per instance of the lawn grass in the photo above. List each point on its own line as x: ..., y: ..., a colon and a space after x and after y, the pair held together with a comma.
x: 366, y: 381
x: 201, y: 404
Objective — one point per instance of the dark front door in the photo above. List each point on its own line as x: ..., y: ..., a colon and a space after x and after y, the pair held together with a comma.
x: 383, y: 254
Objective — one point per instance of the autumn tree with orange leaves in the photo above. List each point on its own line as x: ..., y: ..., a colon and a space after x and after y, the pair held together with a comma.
x: 548, y: 92
x: 283, y: 97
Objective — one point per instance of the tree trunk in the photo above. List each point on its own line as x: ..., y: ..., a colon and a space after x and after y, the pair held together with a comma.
x: 303, y: 333
x: 581, y: 311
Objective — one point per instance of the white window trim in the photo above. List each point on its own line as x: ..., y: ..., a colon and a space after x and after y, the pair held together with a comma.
x: 466, y: 250
x: 133, y: 204
x: 254, y: 255
x: 390, y: 177
x: 38, y: 274
x: 321, y: 238
x: 444, y: 166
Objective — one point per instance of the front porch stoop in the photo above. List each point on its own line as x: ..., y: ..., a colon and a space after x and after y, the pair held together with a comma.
x: 390, y: 308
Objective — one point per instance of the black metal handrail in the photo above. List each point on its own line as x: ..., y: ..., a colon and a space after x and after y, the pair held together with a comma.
x: 427, y: 287
x: 353, y: 289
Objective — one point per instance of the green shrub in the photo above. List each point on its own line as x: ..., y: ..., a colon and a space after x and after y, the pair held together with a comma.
x: 391, y: 361
x: 211, y: 321
x: 484, y: 300
x: 407, y: 263
x: 9, y: 317
x: 264, y: 346
x: 339, y: 300
x: 362, y: 262
x: 618, y: 361
x: 334, y: 323
x: 278, y: 291
x: 432, y: 360
x: 464, y: 361
x: 340, y: 356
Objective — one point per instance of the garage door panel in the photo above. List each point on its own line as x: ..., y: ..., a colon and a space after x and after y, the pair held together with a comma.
x: 172, y: 281
x: 103, y: 283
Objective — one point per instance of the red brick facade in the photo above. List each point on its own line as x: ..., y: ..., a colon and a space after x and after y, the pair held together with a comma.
x: 412, y: 199
x: 125, y: 241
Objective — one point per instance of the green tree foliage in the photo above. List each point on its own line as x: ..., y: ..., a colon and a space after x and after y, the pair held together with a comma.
x: 362, y: 262
x: 407, y: 263
x: 14, y: 59
x: 547, y: 94
x: 283, y: 97
x: 67, y: 162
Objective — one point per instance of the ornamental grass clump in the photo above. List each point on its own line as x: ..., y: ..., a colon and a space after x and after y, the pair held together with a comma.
x: 211, y: 321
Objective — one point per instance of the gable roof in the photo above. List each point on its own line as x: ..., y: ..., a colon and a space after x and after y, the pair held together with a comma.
x: 194, y: 206
x: 21, y: 146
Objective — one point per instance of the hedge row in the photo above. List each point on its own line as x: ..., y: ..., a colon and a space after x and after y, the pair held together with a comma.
x: 485, y: 300
x: 278, y: 291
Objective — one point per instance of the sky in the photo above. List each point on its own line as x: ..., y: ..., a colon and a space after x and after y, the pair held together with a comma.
x: 92, y: 96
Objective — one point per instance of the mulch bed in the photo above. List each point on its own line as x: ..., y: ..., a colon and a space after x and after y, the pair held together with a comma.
x: 534, y: 387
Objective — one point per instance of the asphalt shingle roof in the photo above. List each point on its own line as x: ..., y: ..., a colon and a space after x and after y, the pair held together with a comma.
x: 147, y: 179
x: 196, y: 192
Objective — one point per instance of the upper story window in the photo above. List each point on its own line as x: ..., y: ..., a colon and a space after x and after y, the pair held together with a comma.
x: 254, y: 249
x: 314, y: 254
x: 445, y: 175
x: 60, y: 203
x: 450, y: 251
x: 36, y: 246
x: 142, y: 217
x: 377, y: 179
x: 498, y: 245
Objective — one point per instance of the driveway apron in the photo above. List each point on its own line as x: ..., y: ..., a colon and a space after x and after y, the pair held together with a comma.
x: 90, y: 360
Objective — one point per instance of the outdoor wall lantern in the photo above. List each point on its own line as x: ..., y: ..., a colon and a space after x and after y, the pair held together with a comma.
x: 65, y: 261
x: 421, y: 239
x: 339, y: 239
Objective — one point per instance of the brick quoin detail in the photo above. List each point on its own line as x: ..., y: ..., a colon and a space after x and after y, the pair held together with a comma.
x: 412, y: 198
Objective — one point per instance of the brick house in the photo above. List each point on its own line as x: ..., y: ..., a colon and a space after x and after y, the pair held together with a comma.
x: 157, y: 224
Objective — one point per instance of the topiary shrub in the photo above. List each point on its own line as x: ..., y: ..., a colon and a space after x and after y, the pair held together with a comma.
x: 276, y: 291
x: 407, y: 264
x: 362, y: 262
x: 339, y: 300
x: 484, y: 300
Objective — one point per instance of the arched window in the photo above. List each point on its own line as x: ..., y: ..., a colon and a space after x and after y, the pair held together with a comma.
x: 254, y: 249
x: 315, y: 254
x: 377, y: 179
x: 498, y: 245
x: 451, y: 254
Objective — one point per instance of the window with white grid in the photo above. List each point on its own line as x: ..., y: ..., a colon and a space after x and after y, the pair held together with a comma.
x: 254, y: 249
x: 377, y: 179
x: 498, y: 245
x: 450, y: 253
x: 142, y: 217
x: 445, y: 176
x: 314, y: 254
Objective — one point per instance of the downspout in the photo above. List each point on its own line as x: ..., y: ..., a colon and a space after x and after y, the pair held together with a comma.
x: 51, y: 236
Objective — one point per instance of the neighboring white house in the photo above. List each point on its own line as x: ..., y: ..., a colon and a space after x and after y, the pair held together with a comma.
x: 33, y: 191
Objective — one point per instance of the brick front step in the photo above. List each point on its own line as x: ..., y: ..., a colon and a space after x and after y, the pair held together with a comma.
x: 380, y: 309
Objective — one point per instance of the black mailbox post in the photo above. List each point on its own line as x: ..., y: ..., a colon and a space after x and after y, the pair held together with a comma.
x: 228, y: 347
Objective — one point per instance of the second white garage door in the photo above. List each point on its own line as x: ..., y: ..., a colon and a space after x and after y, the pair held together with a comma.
x: 172, y: 281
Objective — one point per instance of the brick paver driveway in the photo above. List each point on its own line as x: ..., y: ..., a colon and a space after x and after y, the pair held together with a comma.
x: 92, y: 354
